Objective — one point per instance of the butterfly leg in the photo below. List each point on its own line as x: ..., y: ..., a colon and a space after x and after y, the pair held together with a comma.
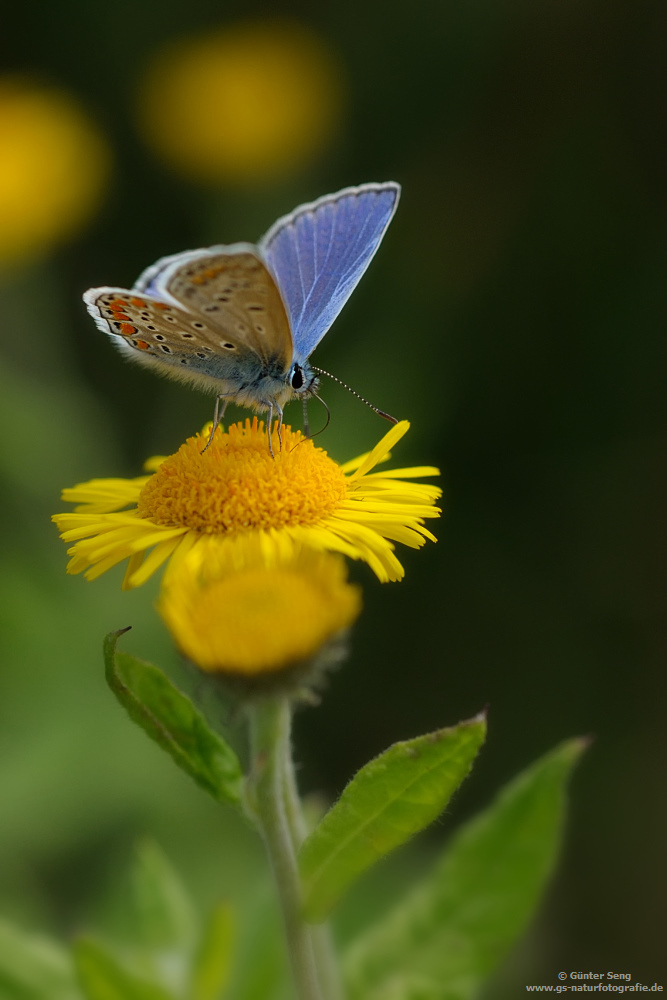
x: 218, y: 414
x: 269, y: 419
x: 273, y: 407
x: 280, y: 425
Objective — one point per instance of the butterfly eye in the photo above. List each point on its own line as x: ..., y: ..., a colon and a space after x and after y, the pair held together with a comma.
x: 297, y: 377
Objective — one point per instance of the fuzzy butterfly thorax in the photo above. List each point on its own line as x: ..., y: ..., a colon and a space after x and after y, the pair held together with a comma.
x: 241, y: 321
x: 273, y: 385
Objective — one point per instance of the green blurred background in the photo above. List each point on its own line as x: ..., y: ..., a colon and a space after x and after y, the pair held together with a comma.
x: 515, y: 314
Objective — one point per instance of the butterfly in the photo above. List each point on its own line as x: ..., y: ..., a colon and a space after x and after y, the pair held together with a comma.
x: 242, y: 320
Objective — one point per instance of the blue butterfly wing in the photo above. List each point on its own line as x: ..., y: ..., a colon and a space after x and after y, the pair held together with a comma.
x: 319, y: 252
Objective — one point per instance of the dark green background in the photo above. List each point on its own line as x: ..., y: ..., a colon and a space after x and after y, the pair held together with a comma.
x: 515, y: 314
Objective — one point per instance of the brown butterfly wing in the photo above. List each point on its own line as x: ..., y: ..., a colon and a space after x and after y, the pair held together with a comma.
x: 181, y: 344
x: 236, y: 293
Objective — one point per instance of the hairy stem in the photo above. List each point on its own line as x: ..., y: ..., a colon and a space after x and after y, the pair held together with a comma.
x: 323, y: 945
x: 270, y: 738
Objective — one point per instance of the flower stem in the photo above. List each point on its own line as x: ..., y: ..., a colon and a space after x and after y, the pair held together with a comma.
x: 270, y: 738
x: 323, y: 945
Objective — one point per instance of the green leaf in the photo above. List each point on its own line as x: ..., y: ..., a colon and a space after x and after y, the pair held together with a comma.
x: 212, y: 963
x: 389, y: 800
x: 103, y: 977
x: 34, y: 968
x: 453, y: 930
x: 171, y: 719
x: 163, y: 912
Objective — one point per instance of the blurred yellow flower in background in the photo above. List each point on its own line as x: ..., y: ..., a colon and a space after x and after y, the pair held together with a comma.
x: 245, y: 103
x: 240, y: 610
x: 54, y: 166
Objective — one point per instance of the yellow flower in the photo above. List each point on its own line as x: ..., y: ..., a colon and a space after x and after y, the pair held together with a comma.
x: 236, y: 610
x: 236, y: 490
x: 53, y: 168
x: 244, y: 103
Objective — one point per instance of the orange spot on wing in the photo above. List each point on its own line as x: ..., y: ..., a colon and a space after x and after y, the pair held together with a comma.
x: 206, y: 275
x: 119, y: 304
x: 141, y: 344
x: 160, y: 305
x: 127, y: 329
x: 120, y: 315
x: 139, y: 303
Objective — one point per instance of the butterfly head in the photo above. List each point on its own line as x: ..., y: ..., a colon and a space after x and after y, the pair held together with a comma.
x: 302, y: 380
x: 271, y: 386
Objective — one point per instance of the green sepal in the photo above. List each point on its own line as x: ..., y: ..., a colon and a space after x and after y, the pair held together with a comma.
x: 163, y: 916
x: 33, y: 967
x: 451, y: 932
x: 390, y: 799
x: 103, y: 977
x: 170, y: 718
x: 212, y: 963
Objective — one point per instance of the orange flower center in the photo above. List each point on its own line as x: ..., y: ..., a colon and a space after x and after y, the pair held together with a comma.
x: 236, y: 485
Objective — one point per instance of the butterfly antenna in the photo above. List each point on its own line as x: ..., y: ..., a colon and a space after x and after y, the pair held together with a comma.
x: 380, y: 413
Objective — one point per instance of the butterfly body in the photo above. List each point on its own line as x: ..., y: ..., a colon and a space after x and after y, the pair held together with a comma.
x: 242, y: 320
